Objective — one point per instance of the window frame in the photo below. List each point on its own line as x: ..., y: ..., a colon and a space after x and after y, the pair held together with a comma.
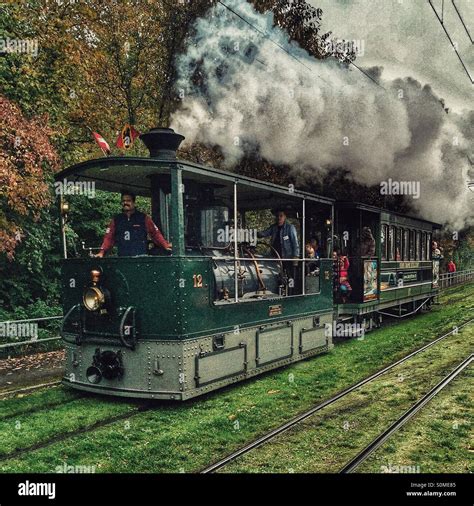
x: 384, y: 249
x: 418, y: 245
x: 391, y: 241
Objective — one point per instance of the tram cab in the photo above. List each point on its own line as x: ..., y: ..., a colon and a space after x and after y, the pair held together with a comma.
x: 222, y: 306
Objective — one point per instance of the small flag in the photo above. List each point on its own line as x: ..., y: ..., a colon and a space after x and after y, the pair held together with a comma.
x: 126, y: 137
x: 103, y: 145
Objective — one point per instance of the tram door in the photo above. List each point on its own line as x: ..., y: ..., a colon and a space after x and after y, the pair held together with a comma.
x: 356, y: 240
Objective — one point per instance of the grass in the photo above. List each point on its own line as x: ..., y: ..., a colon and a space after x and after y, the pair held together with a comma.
x: 332, y: 437
x: 186, y: 437
x: 436, y: 440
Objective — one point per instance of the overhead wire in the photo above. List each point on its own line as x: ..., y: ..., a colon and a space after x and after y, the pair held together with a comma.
x: 462, y: 21
x: 264, y: 34
x: 451, y: 42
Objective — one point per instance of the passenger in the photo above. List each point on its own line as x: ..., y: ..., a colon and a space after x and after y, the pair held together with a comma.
x: 284, y: 239
x: 342, y: 266
x: 451, y: 266
x: 435, y: 251
x: 312, y: 268
x: 315, y: 245
x: 129, y: 231
x: 367, y: 245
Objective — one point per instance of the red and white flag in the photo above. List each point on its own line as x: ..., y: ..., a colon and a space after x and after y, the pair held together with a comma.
x: 126, y: 137
x: 103, y: 145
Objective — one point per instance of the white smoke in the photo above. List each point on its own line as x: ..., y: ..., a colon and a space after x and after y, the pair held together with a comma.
x: 242, y: 93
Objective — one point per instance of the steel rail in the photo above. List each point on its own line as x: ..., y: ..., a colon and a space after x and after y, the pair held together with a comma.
x: 63, y: 436
x: 296, y: 420
x: 379, y: 440
x: 11, y: 393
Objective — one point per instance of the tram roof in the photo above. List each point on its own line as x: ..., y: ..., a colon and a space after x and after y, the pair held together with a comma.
x: 374, y: 209
x: 115, y: 173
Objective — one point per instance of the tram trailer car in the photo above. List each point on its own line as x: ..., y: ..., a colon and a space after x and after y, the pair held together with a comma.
x: 219, y: 308
x: 400, y: 279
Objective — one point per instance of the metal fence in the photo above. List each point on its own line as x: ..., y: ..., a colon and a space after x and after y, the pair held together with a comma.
x: 21, y: 325
x: 445, y: 281
x: 455, y: 278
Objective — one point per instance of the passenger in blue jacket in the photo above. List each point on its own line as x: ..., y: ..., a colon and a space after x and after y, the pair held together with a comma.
x: 284, y: 239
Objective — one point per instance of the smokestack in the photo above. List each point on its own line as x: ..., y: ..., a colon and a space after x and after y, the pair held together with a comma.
x: 162, y: 142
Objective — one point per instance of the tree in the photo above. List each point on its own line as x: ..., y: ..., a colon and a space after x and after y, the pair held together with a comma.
x: 27, y: 160
x: 302, y: 22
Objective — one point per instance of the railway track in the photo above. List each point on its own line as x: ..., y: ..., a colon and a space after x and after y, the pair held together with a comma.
x: 83, y: 430
x: 27, y: 390
x: 296, y: 420
x: 379, y: 440
x: 141, y: 408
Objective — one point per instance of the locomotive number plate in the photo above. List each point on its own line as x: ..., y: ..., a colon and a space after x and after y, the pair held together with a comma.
x: 275, y: 310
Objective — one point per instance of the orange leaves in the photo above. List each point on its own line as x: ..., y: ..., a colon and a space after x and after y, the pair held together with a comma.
x: 26, y: 159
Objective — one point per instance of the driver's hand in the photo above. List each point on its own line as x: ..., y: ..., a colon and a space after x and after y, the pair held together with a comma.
x: 100, y: 254
x: 170, y: 247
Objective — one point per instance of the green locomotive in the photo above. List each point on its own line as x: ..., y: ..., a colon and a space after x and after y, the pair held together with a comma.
x: 221, y: 307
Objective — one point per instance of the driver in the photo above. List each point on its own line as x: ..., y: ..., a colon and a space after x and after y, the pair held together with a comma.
x: 130, y: 229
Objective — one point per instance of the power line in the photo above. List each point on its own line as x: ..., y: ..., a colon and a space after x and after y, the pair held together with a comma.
x: 462, y: 21
x: 264, y: 34
x: 286, y: 51
x: 366, y: 74
x: 452, y: 43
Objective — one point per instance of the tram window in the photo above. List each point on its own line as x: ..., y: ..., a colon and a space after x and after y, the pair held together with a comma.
x: 406, y: 244
x: 384, y: 242
x: 398, y: 243
x: 418, y: 245
x: 391, y: 242
x: 412, y: 244
x: 428, y: 246
x: 423, y: 246
x: 205, y: 226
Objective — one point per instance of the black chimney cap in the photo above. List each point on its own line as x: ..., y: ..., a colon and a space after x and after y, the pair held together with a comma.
x: 162, y: 142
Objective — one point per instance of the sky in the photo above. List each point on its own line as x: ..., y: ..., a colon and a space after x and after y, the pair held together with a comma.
x: 405, y: 37
x: 334, y: 116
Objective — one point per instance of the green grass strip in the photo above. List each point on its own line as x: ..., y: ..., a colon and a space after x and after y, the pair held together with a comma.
x: 186, y: 437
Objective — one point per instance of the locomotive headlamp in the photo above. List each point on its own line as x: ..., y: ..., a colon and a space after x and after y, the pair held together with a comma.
x: 93, y: 298
x: 64, y: 207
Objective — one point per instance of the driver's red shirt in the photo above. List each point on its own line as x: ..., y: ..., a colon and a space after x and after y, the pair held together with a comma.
x: 151, y: 228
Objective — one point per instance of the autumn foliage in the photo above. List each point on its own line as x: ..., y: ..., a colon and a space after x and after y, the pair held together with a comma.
x: 27, y: 157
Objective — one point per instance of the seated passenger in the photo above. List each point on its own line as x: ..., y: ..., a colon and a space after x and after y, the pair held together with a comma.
x: 129, y: 231
x: 312, y: 268
x: 367, y: 244
x: 342, y: 275
x: 315, y: 245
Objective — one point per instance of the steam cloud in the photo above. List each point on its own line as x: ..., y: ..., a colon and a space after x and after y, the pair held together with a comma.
x: 320, y: 115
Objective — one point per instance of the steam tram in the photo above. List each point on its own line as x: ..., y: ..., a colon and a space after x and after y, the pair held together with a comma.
x: 221, y: 307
